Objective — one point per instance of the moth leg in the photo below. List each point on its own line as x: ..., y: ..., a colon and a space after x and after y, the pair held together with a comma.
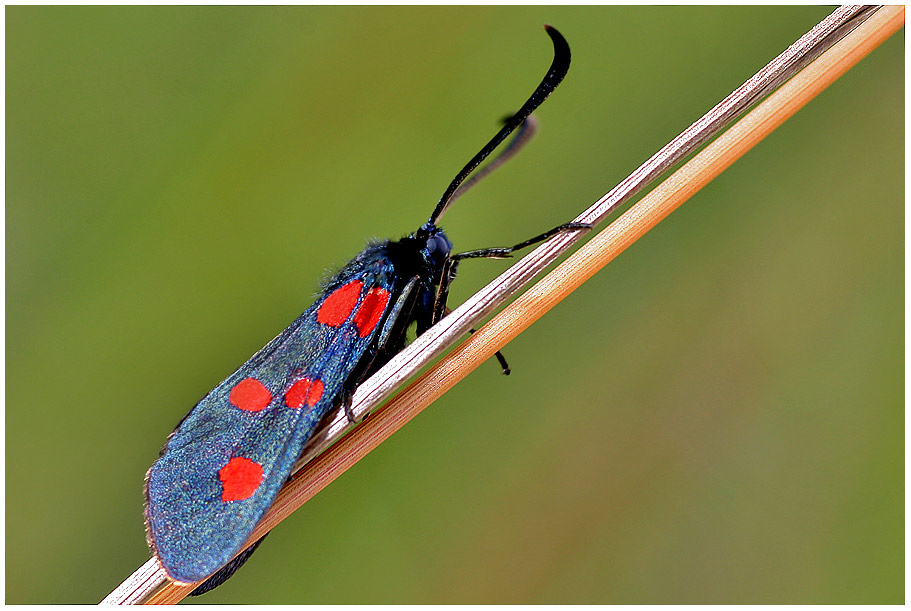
x: 452, y: 265
x: 396, y: 312
x: 347, y: 396
x: 439, y: 305
x: 503, y: 364
x: 505, y: 252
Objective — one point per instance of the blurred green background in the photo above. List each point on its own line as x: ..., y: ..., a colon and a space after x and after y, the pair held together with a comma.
x: 717, y: 417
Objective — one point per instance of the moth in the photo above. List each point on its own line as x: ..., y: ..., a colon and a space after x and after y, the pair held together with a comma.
x: 222, y: 467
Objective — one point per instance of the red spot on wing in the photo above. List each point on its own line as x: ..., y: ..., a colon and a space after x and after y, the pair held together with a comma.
x: 303, y: 391
x: 240, y: 478
x: 371, y: 310
x: 336, y: 308
x: 250, y: 394
x: 297, y: 394
x: 316, y: 391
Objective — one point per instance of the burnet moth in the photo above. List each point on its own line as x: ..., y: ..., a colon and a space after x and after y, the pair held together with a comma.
x: 223, y: 465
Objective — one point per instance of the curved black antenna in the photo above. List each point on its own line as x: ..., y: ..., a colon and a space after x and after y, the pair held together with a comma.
x: 524, y: 134
x: 554, y: 75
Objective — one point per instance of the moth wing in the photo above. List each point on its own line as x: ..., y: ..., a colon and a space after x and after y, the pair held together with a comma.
x: 225, y: 463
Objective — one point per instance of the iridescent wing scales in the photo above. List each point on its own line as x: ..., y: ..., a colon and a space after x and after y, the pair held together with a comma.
x: 223, y: 466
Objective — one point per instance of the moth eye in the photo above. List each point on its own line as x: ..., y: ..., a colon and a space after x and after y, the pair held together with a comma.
x: 438, y: 247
